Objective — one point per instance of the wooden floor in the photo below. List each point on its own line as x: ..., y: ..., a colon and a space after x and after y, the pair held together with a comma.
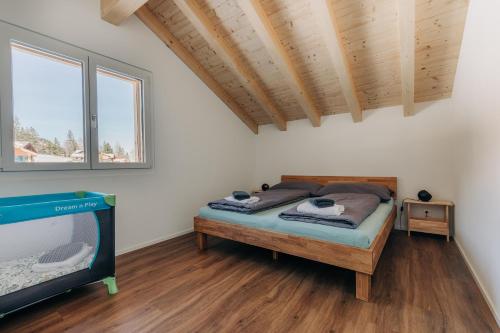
x: 421, y: 285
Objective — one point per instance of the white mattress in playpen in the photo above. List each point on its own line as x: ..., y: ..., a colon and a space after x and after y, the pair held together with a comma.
x: 17, y: 274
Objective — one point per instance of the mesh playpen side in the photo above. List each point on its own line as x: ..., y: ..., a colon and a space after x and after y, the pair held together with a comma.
x: 52, y: 243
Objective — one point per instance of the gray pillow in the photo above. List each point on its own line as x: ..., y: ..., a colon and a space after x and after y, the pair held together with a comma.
x: 383, y: 192
x: 297, y: 185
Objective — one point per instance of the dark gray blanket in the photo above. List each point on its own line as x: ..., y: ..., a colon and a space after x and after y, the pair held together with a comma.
x: 268, y: 199
x: 357, y: 207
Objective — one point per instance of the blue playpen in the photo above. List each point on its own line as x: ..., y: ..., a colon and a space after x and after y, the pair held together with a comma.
x: 52, y: 243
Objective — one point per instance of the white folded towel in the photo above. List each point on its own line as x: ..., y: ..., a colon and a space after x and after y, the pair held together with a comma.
x: 248, y: 201
x: 309, y: 208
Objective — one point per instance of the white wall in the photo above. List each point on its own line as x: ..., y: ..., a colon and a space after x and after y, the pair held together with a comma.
x: 195, y: 161
x: 476, y: 104
x: 415, y: 149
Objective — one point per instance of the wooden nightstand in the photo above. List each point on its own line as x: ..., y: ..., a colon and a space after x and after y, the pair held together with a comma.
x: 429, y: 225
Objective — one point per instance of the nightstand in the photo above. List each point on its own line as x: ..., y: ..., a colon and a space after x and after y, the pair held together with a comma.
x: 427, y: 224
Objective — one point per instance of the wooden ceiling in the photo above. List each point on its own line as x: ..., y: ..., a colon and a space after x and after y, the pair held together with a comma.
x: 273, y: 61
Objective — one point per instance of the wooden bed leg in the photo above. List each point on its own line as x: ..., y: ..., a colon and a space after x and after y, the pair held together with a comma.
x: 201, y: 240
x: 275, y: 255
x: 363, y: 286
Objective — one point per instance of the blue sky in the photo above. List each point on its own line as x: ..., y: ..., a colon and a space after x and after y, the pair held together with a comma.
x: 48, y: 96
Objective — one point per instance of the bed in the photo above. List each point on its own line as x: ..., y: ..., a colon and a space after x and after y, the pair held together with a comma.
x: 355, y: 249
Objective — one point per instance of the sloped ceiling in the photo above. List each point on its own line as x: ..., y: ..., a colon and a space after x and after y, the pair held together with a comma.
x: 221, y: 35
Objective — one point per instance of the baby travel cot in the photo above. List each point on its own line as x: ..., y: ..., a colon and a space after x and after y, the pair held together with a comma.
x: 52, y: 243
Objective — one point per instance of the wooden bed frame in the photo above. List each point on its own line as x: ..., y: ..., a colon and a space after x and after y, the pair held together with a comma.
x: 362, y: 261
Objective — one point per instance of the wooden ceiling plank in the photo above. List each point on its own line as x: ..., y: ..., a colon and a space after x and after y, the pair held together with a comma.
x: 157, y: 27
x: 407, y: 46
x: 210, y: 31
x: 117, y: 11
x: 262, y: 25
x: 327, y: 23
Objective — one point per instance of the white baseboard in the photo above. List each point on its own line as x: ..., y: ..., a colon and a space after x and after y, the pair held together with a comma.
x: 478, y: 282
x: 153, y: 241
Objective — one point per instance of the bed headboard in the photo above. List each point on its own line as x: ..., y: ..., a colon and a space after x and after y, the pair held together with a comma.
x: 390, y: 182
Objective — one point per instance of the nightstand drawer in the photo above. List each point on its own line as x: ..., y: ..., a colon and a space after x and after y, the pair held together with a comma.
x: 428, y: 225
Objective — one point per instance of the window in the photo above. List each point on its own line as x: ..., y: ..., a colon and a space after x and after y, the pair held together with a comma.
x: 63, y: 107
x: 119, y: 106
x: 119, y: 120
x: 48, y: 107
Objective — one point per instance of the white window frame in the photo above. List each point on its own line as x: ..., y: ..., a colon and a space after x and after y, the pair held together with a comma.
x: 105, y: 63
x: 90, y: 62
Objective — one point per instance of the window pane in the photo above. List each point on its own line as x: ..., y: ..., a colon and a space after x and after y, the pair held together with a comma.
x: 119, y: 110
x: 48, y: 107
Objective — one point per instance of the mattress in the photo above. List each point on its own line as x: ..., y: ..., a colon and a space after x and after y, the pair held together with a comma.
x: 361, y: 237
x: 18, y: 273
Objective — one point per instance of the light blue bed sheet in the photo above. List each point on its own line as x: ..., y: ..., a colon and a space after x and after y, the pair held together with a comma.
x: 269, y: 220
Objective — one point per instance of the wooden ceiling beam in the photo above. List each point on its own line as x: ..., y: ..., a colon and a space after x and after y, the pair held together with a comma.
x: 262, y: 25
x: 116, y: 11
x: 210, y: 32
x: 407, y: 57
x: 326, y: 20
x: 157, y: 27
